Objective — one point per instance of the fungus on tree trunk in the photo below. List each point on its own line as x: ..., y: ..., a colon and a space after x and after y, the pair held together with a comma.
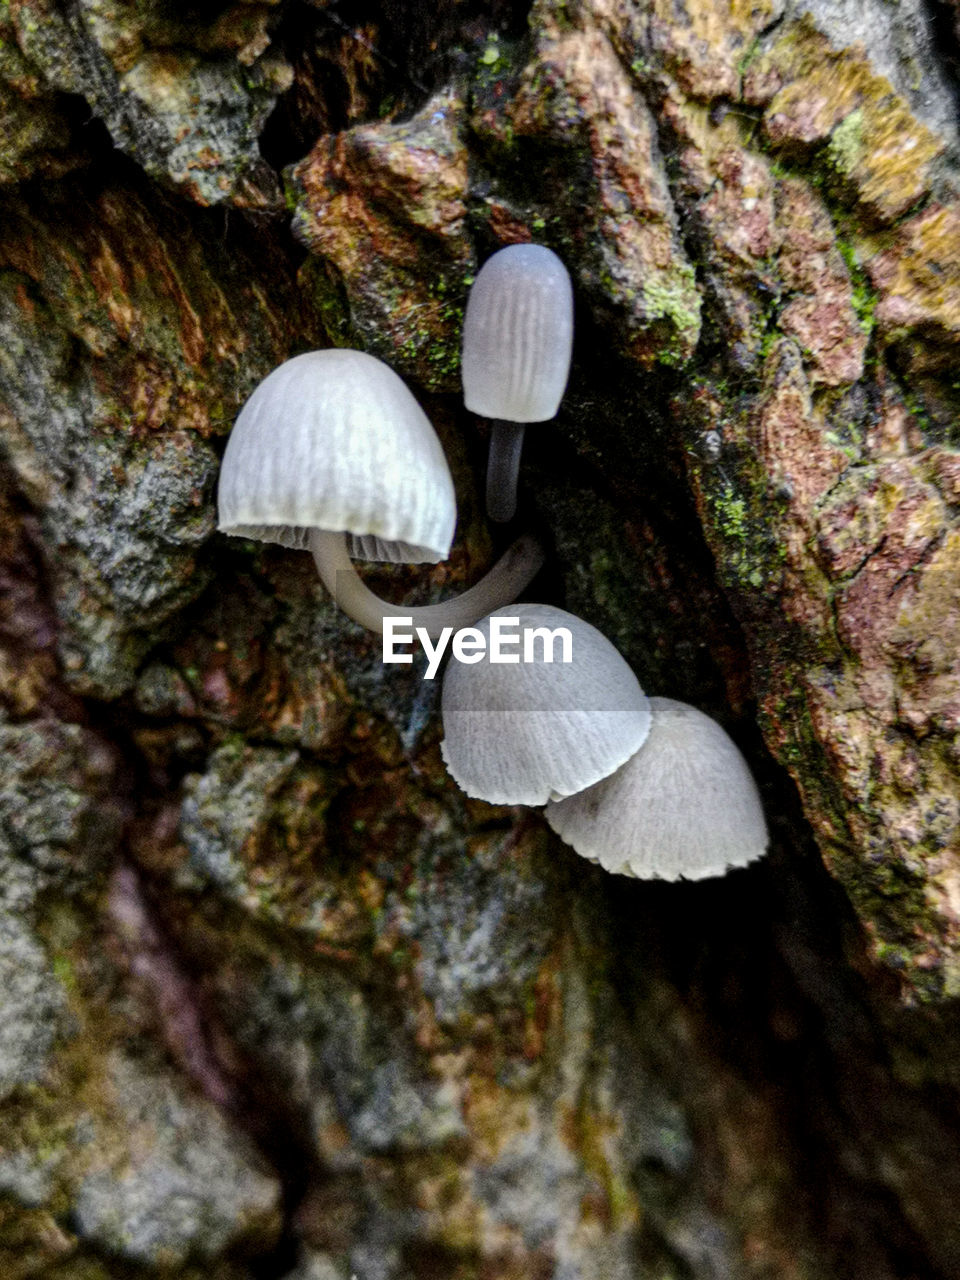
x: 685, y: 806
x: 332, y: 452
x: 525, y: 732
x: 517, y: 340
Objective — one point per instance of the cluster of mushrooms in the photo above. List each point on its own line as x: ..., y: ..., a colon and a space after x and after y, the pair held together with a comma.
x: 332, y: 453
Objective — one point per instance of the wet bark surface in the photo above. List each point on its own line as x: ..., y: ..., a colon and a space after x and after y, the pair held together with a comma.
x: 276, y: 998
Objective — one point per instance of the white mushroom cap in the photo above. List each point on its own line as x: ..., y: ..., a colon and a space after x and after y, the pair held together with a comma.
x: 685, y: 805
x: 523, y: 733
x: 517, y: 335
x: 335, y: 440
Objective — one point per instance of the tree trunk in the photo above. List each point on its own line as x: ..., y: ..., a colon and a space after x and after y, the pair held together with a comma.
x: 277, y: 999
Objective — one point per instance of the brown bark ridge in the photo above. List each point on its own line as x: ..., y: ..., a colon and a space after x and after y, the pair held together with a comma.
x: 276, y: 999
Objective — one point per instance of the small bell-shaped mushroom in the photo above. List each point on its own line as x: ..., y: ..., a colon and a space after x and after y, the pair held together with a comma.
x: 684, y: 806
x: 524, y: 732
x: 333, y: 446
x: 517, y: 338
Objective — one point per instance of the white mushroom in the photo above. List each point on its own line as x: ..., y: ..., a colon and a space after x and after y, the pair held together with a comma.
x: 517, y: 339
x: 333, y: 446
x: 528, y: 731
x: 684, y: 806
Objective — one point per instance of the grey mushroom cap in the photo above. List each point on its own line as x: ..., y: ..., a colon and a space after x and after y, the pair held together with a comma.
x: 685, y: 806
x: 518, y: 335
x: 335, y: 440
x: 523, y: 733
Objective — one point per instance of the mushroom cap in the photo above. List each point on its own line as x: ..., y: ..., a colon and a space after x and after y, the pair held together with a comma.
x: 523, y: 733
x: 517, y: 335
x: 335, y: 440
x: 685, y: 805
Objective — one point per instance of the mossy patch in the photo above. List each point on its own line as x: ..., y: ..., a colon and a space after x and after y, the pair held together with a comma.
x: 817, y: 96
x: 863, y: 296
x: 846, y: 148
x: 674, y: 297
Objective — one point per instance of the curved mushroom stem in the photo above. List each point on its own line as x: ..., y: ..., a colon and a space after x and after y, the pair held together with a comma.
x: 503, y: 467
x: 518, y: 565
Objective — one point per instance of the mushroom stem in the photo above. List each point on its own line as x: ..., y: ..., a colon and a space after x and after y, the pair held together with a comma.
x: 518, y: 565
x: 503, y: 467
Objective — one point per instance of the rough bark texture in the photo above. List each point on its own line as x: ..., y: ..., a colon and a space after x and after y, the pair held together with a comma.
x: 276, y: 1000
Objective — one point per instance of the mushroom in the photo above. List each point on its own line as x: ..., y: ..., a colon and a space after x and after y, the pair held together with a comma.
x: 332, y: 452
x: 684, y: 806
x: 525, y: 732
x: 517, y: 338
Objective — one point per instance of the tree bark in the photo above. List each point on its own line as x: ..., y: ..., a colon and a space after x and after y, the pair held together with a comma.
x: 277, y: 999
